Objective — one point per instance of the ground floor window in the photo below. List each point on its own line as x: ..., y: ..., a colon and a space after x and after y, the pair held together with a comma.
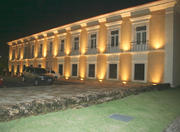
x: 91, y: 70
x: 12, y: 69
x: 18, y: 69
x: 112, y: 71
x: 24, y: 67
x: 61, y: 69
x: 139, y: 71
x: 74, y: 69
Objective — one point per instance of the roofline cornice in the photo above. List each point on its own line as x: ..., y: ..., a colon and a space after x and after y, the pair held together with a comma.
x: 152, y: 6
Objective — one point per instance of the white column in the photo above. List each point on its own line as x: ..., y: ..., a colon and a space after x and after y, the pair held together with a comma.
x: 168, y: 70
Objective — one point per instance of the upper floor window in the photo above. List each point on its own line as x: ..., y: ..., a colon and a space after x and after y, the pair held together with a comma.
x: 13, y: 54
x: 40, y: 49
x: 93, y: 38
x: 19, y: 50
x: 32, y: 51
x: 141, y: 35
x: 76, y: 43
x: 114, y: 38
x: 50, y: 47
x: 25, y: 52
x: 61, y: 47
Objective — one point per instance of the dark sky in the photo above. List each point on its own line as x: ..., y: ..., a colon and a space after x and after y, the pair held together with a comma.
x: 19, y: 18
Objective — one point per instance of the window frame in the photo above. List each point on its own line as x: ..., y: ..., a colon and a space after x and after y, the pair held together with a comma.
x: 92, y: 30
x: 62, y: 69
x: 60, y: 38
x: 145, y: 70
x: 108, y: 64
x: 112, y: 26
x: 77, y: 70
x: 74, y: 35
x: 50, y: 47
x: 141, y: 34
x: 40, y: 49
x: 140, y: 21
x: 87, y: 74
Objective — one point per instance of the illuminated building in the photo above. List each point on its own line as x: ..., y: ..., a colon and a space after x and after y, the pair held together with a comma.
x: 138, y: 44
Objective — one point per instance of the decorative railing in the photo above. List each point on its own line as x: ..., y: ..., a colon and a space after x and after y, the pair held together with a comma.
x: 61, y: 53
x: 75, y: 51
x: 140, y: 46
x: 90, y: 50
x: 112, y: 49
x: 40, y: 55
x: 49, y: 54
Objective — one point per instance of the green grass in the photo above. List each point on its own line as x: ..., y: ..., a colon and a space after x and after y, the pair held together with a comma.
x: 152, y: 112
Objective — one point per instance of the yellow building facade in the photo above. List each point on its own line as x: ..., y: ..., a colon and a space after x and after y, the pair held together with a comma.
x: 125, y: 45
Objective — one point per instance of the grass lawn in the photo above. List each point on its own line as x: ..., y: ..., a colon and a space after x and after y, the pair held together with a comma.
x: 152, y: 112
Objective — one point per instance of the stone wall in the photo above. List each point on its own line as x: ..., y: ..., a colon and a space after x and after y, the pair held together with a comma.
x: 9, y: 112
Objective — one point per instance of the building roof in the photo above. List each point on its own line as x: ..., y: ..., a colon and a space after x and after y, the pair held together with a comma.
x: 127, y: 12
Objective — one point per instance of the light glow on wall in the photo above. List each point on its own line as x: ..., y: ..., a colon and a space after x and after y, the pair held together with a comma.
x: 100, y: 80
x: 102, y: 38
x: 67, y: 51
x: 125, y: 67
x: 83, y: 51
x: 21, y: 68
x: 124, y: 82
x: 83, y: 41
x: 36, y: 50
x: 158, y: 45
x: 55, y: 51
x: 21, y: 54
x: 82, y: 66
x: 101, y: 75
x: 44, y: 51
x: 126, y: 47
x: 66, y: 77
x: 156, y: 67
x: 10, y: 53
x: 101, y: 49
x: 156, y: 79
x: 124, y: 76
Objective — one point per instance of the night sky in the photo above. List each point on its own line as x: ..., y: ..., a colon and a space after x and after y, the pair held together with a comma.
x: 19, y: 18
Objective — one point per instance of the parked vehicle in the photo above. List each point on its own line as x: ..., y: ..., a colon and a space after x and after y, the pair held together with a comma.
x: 53, y: 74
x: 1, y: 81
x: 36, y: 76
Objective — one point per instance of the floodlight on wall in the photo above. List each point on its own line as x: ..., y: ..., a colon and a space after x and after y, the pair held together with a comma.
x: 124, y: 82
x: 100, y: 80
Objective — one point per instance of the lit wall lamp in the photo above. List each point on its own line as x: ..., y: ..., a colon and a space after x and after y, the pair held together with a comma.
x: 100, y: 80
x: 66, y: 77
x: 124, y: 82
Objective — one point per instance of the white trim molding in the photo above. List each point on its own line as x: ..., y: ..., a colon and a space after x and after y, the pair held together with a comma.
x: 89, y: 29
x: 78, y: 31
x: 141, y: 18
x: 116, y: 23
